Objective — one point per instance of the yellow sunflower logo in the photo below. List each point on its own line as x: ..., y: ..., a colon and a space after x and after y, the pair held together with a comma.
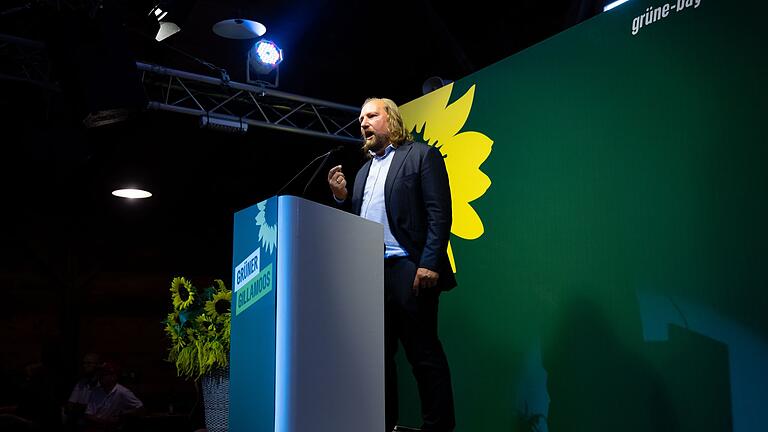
x: 267, y: 232
x: 182, y: 293
x: 440, y: 125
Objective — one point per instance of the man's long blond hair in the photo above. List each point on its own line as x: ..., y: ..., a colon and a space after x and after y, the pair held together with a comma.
x: 397, y: 131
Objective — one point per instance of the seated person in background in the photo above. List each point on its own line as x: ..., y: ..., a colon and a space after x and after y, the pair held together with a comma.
x: 78, y: 399
x: 110, y: 403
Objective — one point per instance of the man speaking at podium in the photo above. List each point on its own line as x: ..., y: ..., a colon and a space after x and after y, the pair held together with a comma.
x: 404, y: 186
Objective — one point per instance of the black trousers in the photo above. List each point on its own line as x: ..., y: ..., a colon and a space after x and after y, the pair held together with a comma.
x: 412, y: 320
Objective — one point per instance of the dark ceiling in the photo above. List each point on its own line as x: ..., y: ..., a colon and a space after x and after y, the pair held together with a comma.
x: 60, y: 224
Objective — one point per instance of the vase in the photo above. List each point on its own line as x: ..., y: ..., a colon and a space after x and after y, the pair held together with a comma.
x: 216, y: 400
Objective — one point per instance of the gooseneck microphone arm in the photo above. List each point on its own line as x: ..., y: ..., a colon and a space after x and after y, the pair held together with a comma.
x: 324, y: 155
x: 322, y: 164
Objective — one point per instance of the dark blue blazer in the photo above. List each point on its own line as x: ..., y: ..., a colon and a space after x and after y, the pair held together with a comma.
x: 418, y: 200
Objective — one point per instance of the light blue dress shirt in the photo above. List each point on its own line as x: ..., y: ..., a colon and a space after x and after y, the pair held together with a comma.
x: 373, y: 207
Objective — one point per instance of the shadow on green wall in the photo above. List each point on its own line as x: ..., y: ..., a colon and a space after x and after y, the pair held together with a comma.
x: 596, y: 382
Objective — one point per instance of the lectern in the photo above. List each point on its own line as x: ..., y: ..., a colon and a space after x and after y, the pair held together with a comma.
x: 307, y: 346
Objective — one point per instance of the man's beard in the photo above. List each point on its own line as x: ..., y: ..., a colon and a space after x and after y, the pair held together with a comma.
x: 376, y: 144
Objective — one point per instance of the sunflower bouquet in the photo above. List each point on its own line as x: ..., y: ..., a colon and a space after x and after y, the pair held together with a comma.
x: 199, y: 327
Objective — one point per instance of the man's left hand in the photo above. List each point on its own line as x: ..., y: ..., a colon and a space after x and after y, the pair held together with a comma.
x: 425, y: 278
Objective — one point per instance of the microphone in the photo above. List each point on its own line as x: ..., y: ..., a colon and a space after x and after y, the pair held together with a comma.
x: 314, y: 174
x: 324, y: 155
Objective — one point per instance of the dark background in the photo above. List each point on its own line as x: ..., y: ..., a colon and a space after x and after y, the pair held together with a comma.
x: 81, y: 270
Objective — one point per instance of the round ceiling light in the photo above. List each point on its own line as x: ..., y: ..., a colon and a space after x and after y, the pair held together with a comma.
x: 239, y: 28
x: 131, y: 193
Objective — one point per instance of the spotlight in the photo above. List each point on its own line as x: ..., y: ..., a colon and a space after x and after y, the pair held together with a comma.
x: 264, y: 58
x: 167, y: 28
x: 170, y: 14
x: 267, y: 56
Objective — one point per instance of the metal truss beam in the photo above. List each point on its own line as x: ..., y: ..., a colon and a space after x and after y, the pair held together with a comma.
x: 25, y: 61
x: 216, y: 99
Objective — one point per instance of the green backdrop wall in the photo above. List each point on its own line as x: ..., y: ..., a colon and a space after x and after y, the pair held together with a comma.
x: 619, y: 279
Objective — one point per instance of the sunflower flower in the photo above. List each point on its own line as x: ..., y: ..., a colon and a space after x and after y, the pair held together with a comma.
x: 173, y: 327
x: 198, y: 328
x: 182, y: 293
x: 220, y: 287
x: 207, y: 326
x: 219, y: 305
